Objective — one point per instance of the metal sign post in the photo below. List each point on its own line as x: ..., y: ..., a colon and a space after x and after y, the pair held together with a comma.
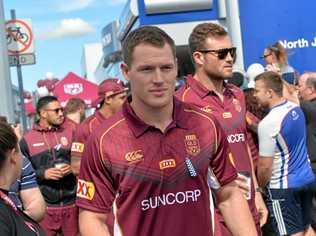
x: 6, y: 101
x: 20, y: 80
x: 20, y: 45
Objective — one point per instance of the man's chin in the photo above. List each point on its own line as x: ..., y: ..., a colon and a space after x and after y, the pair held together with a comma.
x: 263, y: 105
x: 59, y: 122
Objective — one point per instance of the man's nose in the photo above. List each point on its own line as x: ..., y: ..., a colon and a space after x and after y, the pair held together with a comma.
x: 158, y: 77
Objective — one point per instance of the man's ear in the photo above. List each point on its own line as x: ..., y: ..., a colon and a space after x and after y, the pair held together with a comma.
x: 12, y: 157
x: 42, y: 113
x: 125, y: 70
x: 198, y: 58
x: 107, y: 98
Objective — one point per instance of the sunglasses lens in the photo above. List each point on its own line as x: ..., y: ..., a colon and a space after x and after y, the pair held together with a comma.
x: 222, y: 54
x: 233, y: 52
x: 59, y: 110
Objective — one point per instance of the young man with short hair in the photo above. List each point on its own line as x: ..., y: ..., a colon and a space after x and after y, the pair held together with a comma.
x: 111, y: 95
x: 284, y: 168
x: 213, y: 55
x: 47, y: 146
x: 75, y: 110
x: 151, y: 159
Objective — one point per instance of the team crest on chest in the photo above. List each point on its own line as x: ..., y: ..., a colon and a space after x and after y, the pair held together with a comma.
x: 192, y: 145
x: 134, y: 156
x: 207, y: 109
x: 237, y: 105
x: 64, y: 141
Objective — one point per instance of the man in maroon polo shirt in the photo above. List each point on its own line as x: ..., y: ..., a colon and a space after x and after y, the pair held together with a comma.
x: 111, y: 95
x: 152, y: 158
x: 213, y: 56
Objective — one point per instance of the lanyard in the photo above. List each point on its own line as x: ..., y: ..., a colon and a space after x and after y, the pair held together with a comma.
x: 10, y: 203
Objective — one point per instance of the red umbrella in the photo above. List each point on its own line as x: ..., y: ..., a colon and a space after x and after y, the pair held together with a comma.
x: 73, y: 86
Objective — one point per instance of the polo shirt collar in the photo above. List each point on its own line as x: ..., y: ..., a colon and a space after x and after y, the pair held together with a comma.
x: 139, y: 127
x: 198, y: 87
x: 40, y: 128
x: 202, y: 91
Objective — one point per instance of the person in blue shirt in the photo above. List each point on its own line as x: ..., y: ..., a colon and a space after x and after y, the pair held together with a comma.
x: 25, y: 193
x: 284, y: 168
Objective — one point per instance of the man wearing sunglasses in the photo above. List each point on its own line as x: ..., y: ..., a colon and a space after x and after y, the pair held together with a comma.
x: 48, y: 146
x: 213, y: 56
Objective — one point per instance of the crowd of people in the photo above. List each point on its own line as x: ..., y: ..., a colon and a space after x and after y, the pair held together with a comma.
x: 207, y: 158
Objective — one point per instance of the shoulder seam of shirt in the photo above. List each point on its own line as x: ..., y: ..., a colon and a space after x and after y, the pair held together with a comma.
x: 104, y: 133
x: 90, y: 123
x: 185, y: 93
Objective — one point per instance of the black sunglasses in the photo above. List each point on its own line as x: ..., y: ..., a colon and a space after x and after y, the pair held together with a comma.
x: 265, y: 56
x: 56, y: 110
x: 222, y: 52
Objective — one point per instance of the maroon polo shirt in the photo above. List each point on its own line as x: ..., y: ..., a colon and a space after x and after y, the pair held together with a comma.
x: 83, y: 132
x: 230, y: 113
x: 158, y: 181
x: 70, y: 124
x: 252, y: 137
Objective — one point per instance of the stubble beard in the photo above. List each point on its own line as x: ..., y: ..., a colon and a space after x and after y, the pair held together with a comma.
x: 217, y: 76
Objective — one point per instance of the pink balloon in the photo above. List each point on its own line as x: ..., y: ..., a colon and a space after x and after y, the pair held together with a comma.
x: 40, y: 83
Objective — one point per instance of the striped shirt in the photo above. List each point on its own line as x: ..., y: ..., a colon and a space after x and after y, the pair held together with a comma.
x: 26, y: 181
x: 282, y: 135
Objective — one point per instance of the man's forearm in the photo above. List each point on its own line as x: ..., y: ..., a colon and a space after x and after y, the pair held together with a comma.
x: 264, y: 175
x: 264, y: 171
x: 92, y: 224
x: 33, y: 203
x: 235, y: 210
x: 260, y: 205
x: 75, y: 165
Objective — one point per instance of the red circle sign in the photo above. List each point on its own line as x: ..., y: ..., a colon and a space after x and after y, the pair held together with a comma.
x: 19, y: 33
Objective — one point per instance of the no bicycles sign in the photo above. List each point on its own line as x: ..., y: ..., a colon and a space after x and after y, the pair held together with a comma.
x: 19, y: 36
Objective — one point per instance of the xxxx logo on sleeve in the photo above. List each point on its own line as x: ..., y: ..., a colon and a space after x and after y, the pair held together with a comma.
x: 77, y: 147
x: 85, y: 189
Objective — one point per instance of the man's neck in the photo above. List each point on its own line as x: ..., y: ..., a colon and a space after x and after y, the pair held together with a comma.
x: 6, y: 181
x: 75, y: 117
x: 44, y: 124
x: 215, y: 85
x: 157, y: 117
x: 276, y: 101
x: 105, y: 112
